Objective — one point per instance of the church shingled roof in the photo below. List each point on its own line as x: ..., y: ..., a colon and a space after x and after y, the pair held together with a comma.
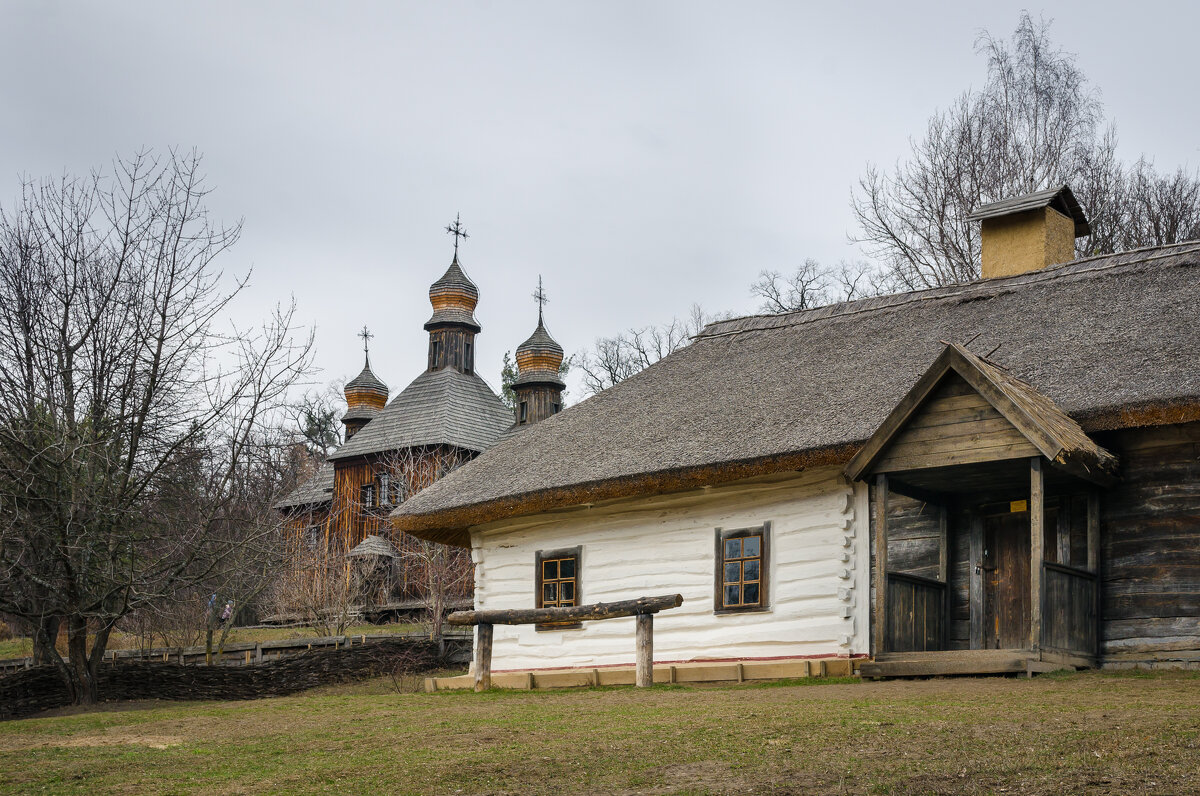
x: 366, y: 380
x: 454, y: 297
x: 441, y: 407
x: 316, y: 490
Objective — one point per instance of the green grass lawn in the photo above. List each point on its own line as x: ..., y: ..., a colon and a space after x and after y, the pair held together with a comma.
x: 1085, y: 733
x: 21, y: 647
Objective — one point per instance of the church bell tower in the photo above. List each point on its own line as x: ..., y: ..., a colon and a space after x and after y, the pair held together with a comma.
x: 538, y: 387
x: 453, y: 327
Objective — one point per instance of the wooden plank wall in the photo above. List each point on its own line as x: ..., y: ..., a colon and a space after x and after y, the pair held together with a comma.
x: 1150, y: 547
x: 913, y: 549
x: 956, y: 425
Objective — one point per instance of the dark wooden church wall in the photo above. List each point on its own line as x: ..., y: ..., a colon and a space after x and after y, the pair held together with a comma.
x: 1150, y: 534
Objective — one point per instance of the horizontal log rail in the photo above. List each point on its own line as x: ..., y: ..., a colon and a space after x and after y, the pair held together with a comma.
x: 576, y: 613
x: 1066, y: 570
x: 644, y: 608
x: 927, y: 582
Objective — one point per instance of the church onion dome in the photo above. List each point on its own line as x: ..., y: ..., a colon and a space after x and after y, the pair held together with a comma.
x: 365, y: 392
x: 453, y: 297
x: 539, y: 358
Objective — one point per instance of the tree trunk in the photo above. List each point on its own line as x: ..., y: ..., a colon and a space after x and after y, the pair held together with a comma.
x: 45, y: 636
x: 80, y: 680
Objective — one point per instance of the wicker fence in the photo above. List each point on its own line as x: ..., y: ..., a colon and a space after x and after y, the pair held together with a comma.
x: 458, y: 644
x: 41, y: 688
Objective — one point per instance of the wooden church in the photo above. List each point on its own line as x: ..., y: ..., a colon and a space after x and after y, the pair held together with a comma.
x: 444, y: 418
x: 998, y: 476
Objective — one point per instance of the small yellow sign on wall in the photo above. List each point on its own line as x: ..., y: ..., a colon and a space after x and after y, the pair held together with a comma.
x: 1018, y: 506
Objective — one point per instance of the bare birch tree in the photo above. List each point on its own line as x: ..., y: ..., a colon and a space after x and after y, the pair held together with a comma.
x: 130, y: 410
x: 613, y: 359
x: 1036, y: 123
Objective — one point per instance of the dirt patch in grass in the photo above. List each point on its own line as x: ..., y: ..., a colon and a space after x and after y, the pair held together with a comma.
x: 1089, y: 733
x: 77, y: 742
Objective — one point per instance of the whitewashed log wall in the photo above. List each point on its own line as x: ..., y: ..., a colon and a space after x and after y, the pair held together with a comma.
x: 818, y: 598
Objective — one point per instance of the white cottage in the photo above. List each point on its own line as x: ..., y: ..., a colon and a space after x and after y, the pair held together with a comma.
x: 991, y: 413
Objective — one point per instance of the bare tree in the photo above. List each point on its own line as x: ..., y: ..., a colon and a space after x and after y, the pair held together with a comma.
x: 614, y: 359
x: 317, y: 586
x: 1036, y: 123
x: 317, y: 417
x: 814, y: 285
x: 128, y: 417
x: 434, y: 573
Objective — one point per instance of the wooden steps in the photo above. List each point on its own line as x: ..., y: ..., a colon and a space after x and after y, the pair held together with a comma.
x: 958, y: 662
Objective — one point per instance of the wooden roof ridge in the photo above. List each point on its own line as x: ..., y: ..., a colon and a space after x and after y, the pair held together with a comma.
x: 1047, y: 427
x: 1081, y: 267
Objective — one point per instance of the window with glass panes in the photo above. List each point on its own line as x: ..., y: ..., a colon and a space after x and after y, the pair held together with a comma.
x: 558, y: 581
x: 741, y: 582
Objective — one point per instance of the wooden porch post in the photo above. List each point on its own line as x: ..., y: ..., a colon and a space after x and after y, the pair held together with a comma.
x: 1037, y: 531
x: 881, y: 534
x: 645, y: 650
x: 943, y: 543
x: 483, y: 657
x: 975, y: 595
x: 1093, y: 531
x: 1093, y: 557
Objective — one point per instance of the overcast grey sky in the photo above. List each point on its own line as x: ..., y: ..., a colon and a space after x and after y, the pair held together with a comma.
x: 640, y: 155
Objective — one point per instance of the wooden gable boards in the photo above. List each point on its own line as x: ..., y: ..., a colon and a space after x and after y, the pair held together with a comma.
x: 965, y: 409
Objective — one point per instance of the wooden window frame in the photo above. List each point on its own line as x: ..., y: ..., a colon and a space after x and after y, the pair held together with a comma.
x: 549, y: 555
x: 385, y: 490
x: 371, y: 489
x: 764, y: 575
x: 523, y: 413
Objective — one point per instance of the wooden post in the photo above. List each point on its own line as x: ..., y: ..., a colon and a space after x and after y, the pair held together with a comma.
x: 943, y: 544
x: 881, y: 508
x: 483, y: 657
x: 1093, y: 531
x: 1093, y: 558
x: 1037, y: 531
x: 944, y: 569
x: 975, y: 596
x: 645, y: 650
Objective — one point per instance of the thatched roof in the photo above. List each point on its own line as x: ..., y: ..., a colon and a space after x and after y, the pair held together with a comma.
x: 316, y: 490
x: 1113, y: 341
x: 442, y: 407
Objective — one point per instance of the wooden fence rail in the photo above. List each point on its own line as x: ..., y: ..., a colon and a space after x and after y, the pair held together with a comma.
x: 644, y: 608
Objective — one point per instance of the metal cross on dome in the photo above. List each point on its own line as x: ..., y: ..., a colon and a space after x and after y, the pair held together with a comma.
x: 540, y: 297
x: 456, y: 229
x: 366, y: 337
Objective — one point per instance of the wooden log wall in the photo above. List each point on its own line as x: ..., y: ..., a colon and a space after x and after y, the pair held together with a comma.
x: 1150, y: 548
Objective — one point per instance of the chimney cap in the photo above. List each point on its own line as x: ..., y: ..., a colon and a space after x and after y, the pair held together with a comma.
x: 1060, y: 198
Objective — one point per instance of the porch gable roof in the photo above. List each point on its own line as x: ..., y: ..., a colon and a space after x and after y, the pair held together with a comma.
x: 1038, y: 419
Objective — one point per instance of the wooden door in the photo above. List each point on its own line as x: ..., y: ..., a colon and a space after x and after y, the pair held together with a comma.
x: 1006, y: 615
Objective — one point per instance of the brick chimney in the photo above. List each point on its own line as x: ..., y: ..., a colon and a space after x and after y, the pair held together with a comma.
x: 1031, y: 232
